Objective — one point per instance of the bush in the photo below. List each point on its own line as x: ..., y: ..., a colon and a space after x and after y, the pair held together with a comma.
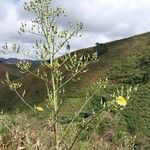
x: 100, y: 49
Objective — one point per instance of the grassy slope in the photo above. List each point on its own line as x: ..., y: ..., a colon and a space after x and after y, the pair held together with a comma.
x: 11, y: 69
x: 122, y: 64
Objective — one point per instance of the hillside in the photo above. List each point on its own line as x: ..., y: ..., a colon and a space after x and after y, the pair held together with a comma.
x: 127, y: 61
x: 11, y: 69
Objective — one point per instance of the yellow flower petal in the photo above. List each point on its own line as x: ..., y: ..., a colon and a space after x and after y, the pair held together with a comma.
x: 121, y: 101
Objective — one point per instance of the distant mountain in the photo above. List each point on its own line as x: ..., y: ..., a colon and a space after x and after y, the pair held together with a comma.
x: 9, y: 61
x: 14, y: 61
x: 2, y: 60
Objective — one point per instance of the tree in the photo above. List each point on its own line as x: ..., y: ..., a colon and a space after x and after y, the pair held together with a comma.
x: 100, y: 48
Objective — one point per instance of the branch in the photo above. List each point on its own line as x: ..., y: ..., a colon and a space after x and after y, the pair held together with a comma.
x: 95, y: 128
x: 76, y: 137
x: 32, y: 32
x: 28, y: 55
x: 63, y: 43
x: 78, y: 114
x: 70, y: 78
x: 46, y: 80
x: 24, y: 100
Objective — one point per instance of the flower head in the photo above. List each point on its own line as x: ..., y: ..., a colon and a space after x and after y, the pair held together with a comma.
x: 39, y: 108
x: 121, y: 101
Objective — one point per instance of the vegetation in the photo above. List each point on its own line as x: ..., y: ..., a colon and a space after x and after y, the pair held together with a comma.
x: 100, y: 48
x: 134, y: 119
x: 78, y: 111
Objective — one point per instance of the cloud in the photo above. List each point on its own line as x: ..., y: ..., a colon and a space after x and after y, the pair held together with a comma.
x: 103, y: 20
x: 9, y: 22
x: 114, y: 19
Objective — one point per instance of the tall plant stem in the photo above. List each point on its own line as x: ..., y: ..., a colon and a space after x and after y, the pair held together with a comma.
x: 55, y: 103
x: 87, y: 123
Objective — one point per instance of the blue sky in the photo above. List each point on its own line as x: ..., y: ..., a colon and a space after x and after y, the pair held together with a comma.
x: 104, y: 20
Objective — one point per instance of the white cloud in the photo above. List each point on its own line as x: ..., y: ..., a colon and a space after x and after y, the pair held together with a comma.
x: 104, y: 20
x: 10, y: 23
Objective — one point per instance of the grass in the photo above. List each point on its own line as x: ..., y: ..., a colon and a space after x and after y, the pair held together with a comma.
x: 126, y: 62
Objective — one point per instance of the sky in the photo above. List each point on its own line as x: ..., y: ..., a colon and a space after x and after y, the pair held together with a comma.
x: 103, y: 20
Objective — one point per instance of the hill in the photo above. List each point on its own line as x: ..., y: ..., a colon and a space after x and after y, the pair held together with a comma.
x: 11, y: 69
x: 126, y: 62
x: 9, y: 61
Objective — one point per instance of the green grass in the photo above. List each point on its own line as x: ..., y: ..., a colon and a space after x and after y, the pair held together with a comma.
x: 126, y: 62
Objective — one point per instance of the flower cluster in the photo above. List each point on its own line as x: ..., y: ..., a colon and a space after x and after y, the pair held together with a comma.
x: 121, y: 101
x: 14, y: 85
x: 24, y: 66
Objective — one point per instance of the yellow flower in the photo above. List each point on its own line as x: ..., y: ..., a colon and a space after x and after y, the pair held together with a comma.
x: 39, y: 108
x: 121, y: 101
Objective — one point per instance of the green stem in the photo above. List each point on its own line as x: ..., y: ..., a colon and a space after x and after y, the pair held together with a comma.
x: 95, y: 128
x: 55, y: 103
x: 76, y: 137
x: 24, y: 100
x: 78, y: 114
